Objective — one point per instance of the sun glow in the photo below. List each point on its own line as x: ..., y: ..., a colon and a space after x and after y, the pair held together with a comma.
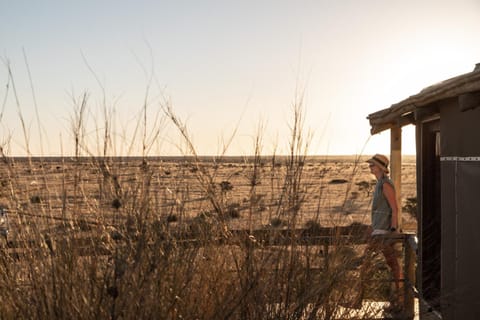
x: 229, y: 73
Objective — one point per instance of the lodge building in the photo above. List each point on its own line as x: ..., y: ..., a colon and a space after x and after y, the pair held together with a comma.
x: 447, y: 120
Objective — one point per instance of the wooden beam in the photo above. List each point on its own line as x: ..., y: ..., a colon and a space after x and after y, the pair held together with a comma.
x: 470, y: 100
x: 396, y: 166
x: 409, y: 274
x: 401, y: 121
x: 396, y: 176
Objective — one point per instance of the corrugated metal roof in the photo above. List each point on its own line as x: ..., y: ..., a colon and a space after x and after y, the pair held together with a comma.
x: 401, y: 113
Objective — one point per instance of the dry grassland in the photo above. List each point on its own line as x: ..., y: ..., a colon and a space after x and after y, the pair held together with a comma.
x: 106, y: 238
x: 334, y: 191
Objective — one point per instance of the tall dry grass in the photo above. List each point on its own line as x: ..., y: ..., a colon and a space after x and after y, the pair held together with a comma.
x: 128, y: 246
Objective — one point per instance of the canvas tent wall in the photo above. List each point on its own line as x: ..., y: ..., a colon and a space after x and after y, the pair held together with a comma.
x: 447, y: 120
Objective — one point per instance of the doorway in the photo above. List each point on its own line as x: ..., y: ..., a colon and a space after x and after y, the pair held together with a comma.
x: 430, y: 224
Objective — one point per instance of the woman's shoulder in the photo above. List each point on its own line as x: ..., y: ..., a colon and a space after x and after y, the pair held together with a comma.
x: 386, y: 179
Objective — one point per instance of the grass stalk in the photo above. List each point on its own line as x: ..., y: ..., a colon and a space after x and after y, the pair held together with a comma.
x: 112, y: 250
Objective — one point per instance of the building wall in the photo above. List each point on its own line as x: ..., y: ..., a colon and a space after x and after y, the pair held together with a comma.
x: 460, y: 130
x: 460, y: 199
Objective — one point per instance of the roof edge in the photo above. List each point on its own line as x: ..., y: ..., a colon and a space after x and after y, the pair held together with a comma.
x: 401, y: 113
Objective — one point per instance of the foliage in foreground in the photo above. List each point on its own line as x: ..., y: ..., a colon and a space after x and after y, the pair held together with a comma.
x: 122, y: 251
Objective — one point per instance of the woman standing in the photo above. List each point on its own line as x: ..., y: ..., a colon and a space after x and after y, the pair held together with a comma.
x: 385, y: 218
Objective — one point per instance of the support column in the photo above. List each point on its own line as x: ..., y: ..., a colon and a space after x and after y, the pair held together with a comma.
x: 396, y: 176
x: 396, y: 167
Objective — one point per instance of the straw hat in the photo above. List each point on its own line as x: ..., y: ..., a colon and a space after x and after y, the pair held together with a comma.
x: 381, y: 161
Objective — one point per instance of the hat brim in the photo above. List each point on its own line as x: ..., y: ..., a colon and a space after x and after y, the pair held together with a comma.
x: 378, y: 164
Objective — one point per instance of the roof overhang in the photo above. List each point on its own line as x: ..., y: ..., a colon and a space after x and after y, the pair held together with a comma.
x: 407, y: 111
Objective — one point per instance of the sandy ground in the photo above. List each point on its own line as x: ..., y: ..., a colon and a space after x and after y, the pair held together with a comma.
x: 331, y: 191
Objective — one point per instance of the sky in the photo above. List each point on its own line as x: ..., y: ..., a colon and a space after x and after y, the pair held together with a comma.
x: 231, y: 71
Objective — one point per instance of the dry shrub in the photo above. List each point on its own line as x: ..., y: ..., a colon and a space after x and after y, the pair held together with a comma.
x: 107, y: 249
x: 125, y: 262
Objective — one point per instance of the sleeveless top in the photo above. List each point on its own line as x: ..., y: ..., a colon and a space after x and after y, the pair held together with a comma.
x: 381, y: 210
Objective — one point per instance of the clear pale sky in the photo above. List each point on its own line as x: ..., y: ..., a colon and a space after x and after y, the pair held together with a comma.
x: 223, y: 65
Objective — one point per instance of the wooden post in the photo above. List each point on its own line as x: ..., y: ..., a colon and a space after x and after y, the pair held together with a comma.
x: 396, y: 167
x: 396, y: 176
x: 409, y: 298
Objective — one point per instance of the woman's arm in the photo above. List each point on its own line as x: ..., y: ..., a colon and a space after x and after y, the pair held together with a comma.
x: 389, y: 194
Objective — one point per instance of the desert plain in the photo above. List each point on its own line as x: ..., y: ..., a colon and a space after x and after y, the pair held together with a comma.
x: 330, y: 190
